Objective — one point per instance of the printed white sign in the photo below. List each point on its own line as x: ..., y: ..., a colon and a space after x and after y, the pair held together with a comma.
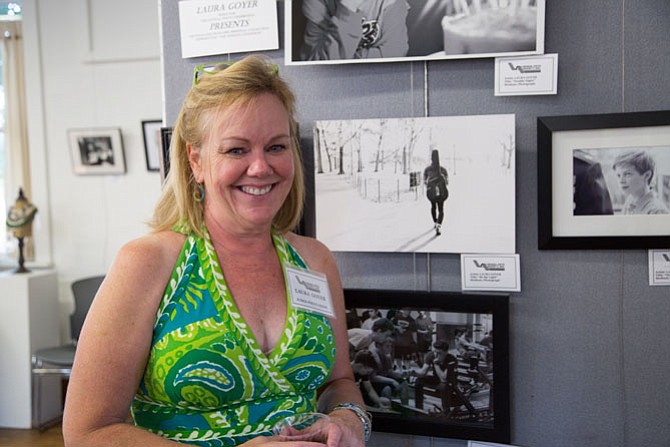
x: 227, y: 26
x: 490, y: 272
x: 659, y: 267
x: 532, y: 75
x: 309, y: 291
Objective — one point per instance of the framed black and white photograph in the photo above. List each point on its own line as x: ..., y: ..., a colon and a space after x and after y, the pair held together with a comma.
x: 96, y: 151
x: 432, y: 363
x: 430, y: 184
x: 151, y: 131
x: 604, y: 181
x: 355, y: 31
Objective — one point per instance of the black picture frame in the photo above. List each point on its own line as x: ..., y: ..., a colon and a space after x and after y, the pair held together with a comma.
x: 416, y: 407
x: 564, y: 143
x: 166, y: 138
x: 151, y: 132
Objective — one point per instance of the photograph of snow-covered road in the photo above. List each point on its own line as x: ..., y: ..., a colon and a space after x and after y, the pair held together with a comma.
x: 370, y: 194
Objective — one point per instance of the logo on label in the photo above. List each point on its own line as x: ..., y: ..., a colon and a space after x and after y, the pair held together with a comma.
x: 525, y: 68
x: 666, y: 257
x: 312, y: 287
x: 489, y: 266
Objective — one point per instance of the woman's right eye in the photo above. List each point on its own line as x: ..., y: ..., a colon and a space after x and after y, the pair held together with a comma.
x: 234, y: 151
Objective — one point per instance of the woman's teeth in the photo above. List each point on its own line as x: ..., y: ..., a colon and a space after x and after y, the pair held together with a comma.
x: 256, y: 191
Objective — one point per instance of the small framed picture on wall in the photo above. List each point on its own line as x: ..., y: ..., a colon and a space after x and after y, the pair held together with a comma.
x: 151, y: 130
x: 96, y: 151
x: 604, y: 181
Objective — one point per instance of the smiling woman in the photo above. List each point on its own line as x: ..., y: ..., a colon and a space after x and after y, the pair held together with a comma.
x: 217, y: 344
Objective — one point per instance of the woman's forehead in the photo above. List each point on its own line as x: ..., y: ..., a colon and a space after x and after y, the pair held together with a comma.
x: 238, y: 116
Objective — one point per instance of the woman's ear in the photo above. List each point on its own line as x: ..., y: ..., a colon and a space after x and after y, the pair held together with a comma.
x: 195, y: 160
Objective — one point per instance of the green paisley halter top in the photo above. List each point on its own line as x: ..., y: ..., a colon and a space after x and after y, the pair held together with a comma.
x: 207, y: 381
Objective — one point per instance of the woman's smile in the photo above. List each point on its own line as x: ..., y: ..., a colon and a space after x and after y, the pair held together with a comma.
x: 256, y: 190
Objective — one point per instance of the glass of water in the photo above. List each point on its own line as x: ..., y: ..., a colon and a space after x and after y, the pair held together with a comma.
x: 303, y: 427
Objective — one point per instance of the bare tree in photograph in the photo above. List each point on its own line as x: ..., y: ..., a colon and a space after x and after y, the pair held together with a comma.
x: 507, y: 152
x: 318, y: 144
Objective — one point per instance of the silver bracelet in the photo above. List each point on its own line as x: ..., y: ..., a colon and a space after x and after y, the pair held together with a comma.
x: 364, y: 416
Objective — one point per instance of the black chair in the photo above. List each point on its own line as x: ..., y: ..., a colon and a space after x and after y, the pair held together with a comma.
x: 58, y: 360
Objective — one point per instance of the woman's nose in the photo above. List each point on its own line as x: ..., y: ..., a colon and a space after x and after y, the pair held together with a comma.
x: 259, y: 165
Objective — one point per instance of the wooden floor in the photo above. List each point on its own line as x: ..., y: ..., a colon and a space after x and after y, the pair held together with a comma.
x: 52, y: 437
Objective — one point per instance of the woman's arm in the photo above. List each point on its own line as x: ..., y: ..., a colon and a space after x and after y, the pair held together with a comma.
x: 341, y: 386
x: 114, y: 345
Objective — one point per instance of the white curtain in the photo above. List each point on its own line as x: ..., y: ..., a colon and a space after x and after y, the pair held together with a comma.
x: 16, y: 131
x: 17, y: 159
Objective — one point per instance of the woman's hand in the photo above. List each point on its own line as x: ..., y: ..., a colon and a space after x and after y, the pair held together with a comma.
x: 274, y: 441
x: 345, y: 430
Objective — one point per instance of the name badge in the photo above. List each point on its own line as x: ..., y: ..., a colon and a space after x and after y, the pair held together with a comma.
x: 309, y: 291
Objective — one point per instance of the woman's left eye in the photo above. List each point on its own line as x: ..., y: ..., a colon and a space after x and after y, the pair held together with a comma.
x: 276, y: 148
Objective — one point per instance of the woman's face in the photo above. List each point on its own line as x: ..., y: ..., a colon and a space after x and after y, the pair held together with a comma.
x: 632, y: 182
x: 246, y: 164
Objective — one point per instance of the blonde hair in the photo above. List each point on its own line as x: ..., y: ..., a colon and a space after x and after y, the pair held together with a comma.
x: 237, y: 84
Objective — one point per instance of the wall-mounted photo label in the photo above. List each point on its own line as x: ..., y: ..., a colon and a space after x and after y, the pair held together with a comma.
x: 210, y: 27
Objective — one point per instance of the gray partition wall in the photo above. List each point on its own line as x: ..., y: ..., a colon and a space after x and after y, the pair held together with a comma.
x: 590, y: 350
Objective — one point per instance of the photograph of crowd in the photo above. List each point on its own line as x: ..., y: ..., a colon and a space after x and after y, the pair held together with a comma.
x: 424, y: 363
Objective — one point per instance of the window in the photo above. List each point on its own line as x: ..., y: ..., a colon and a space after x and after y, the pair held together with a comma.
x: 9, y: 11
x: 3, y: 203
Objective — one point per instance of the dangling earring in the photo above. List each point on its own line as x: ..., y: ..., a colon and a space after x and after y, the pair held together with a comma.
x: 199, y: 193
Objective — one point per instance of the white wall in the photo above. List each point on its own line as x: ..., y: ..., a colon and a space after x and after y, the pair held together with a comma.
x: 90, y: 63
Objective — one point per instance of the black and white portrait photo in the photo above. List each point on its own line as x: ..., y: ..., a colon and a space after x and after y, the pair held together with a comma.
x: 604, y: 180
x: 436, y: 184
x: 621, y: 181
x: 345, y: 31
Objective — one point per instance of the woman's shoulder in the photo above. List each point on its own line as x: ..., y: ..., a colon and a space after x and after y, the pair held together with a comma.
x: 313, y: 251
x: 140, y: 271
x: 155, y: 251
x: 157, y: 242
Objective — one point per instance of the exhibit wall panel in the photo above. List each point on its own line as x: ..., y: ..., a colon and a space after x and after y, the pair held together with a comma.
x: 589, y: 348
